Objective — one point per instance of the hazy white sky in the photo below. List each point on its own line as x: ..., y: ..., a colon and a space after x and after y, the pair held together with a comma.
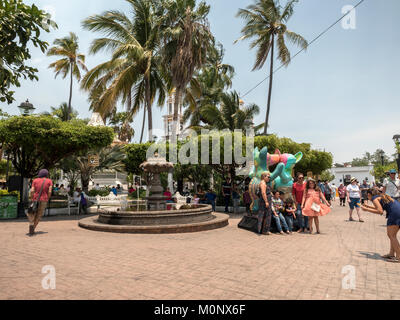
x: 341, y: 95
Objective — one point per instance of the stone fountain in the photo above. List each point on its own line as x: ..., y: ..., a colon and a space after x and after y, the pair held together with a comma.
x: 156, y: 219
x: 153, y: 167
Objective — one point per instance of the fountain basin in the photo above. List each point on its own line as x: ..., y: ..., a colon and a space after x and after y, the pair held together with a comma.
x: 166, y: 221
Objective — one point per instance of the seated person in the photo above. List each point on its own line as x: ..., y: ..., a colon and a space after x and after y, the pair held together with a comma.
x: 289, y: 213
x: 277, y: 210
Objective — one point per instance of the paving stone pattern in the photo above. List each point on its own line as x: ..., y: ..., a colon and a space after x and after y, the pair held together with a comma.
x: 228, y: 263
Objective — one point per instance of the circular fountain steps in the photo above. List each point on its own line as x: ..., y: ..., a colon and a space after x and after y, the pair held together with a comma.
x: 174, y: 221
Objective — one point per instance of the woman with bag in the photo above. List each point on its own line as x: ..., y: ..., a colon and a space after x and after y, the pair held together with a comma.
x: 312, y: 205
x: 40, y: 195
x: 264, y: 204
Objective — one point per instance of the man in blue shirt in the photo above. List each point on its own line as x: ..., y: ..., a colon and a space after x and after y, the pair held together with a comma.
x: 210, y: 198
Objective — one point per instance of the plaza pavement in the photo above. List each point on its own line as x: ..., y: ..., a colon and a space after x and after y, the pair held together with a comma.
x: 228, y: 263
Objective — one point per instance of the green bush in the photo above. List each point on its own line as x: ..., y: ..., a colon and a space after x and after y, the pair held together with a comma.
x: 102, y: 192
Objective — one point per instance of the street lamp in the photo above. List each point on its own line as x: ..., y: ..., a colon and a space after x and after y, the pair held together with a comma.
x: 396, y: 139
x: 382, y: 154
x: 26, y: 108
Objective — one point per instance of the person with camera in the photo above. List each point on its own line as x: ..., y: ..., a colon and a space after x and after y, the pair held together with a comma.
x: 391, y: 185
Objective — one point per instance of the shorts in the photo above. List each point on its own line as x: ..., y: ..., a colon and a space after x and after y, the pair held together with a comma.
x: 328, y: 197
x: 355, y: 203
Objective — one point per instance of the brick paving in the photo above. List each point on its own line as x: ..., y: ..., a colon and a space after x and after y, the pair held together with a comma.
x: 227, y: 263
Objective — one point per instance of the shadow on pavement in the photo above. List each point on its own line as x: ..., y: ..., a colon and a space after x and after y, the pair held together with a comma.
x: 372, y: 255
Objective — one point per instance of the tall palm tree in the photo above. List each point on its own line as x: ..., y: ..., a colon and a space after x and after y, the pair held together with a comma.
x: 187, y: 38
x: 265, y: 22
x: 207, y: 86
x: 134, y: 74
x: 71, y: 64
x: 64, y: 113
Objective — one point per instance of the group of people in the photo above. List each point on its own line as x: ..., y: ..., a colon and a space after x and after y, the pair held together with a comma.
x: 310, y: 202
x: 308, y: 205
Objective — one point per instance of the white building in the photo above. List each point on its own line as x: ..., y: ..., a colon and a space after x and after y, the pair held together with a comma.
x: 343, y: 175
x: 169, y: 117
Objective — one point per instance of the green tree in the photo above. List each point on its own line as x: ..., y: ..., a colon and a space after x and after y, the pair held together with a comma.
x: 266, y: 22
x: 120, y: 122
x: 187, y: 38
x: 327, y: 176
x: 207, y: 86
x: 20, y: 26
x: 230, y: 115
x: 36, y: 142
x: 357, y: 162
x: 110, y: 158
x: 134, y: 73
x: 71, y: 63
x: 64, y: 113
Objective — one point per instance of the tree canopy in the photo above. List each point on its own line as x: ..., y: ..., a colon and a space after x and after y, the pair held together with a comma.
x: 37, y: 142
x: 20, y: 25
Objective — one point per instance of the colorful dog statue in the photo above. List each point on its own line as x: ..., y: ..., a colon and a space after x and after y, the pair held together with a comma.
x: 281, y: 177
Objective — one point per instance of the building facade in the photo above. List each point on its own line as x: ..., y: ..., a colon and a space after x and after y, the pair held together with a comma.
x: 343, y: 175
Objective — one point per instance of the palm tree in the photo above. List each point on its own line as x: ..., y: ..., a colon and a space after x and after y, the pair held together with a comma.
x: 64, y: 113
x: 207, y: 86
x: 187, y: 38
x: 134, y: 73
x: 265, y: 21
x: 230, y: 115
x: 120, y: 122
x: 72, y: 63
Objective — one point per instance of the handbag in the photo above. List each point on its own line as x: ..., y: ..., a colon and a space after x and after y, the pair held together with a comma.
x: 249, y: 223
x: 315, y: 207
x: 34, y: 206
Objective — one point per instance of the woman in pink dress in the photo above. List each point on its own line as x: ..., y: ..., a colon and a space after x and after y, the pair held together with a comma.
x: 312, y: 205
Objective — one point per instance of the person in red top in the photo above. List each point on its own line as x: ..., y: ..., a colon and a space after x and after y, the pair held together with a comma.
x: 168, y: 198
x: 42, y: 180
x: 298, y: 190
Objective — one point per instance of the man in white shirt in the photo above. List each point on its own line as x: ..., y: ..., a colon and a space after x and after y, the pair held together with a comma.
x: 354, y: 199
x: 334, y: 189
x: 391, y: 185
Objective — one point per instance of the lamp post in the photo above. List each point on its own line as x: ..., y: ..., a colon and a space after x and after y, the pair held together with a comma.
x: 396, y: 139
x: 382, y: 154
x: 26, y: 108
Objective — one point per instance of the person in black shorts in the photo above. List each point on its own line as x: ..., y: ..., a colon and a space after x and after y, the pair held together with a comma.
x: 226, y: 192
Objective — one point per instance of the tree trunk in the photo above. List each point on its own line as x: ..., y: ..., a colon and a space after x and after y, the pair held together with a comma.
x: 149, y: 111
x: 271, y: 72
x: 70, y: 97
x: 144, y: 121
x: 85, y: 183
x: 175, y: 123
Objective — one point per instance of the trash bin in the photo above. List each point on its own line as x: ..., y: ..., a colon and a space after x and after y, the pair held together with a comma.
x: 8, y: 206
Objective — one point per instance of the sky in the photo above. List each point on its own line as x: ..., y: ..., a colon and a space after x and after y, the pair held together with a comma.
x: 341, y: 95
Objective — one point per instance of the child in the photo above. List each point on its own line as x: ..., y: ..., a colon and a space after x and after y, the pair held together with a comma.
x: 247, y: 199
x: 312, y: 205
x: 277, y: 209
x: 196, y: 199
x: 290, y: 210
